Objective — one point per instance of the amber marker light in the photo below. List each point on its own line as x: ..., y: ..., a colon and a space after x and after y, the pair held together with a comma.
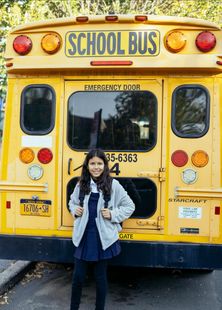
x: 179, y: 158
x: 51, y: 43
x: 26, y: 155
x: 200, y: 158
x: 175, y: 41
x: 22, y: 45
x: 205, y: 41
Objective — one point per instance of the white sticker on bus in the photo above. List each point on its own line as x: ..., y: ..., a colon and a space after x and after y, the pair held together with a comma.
x: 36, y: 141
x: 190, y: 213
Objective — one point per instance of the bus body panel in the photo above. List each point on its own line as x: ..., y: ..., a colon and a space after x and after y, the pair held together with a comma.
x: 155, y: 112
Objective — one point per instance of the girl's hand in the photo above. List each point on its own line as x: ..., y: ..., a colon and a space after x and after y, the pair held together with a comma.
x: 106, y: 213
x: 79, y: 211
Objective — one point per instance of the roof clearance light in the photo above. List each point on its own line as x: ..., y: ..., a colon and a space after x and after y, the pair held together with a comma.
x: 51, y: 43
x: 205, y: 41
x: 22, y: 45
x: 26, y: 155
x: 200, y: 158
x: 175, y: 41
x: 82, y: 19
x: 111, y: 18
x: 141, y: 18
x: 179, y: 158
x: 44, y: 156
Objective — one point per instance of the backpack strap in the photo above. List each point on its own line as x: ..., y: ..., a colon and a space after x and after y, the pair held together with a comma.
x: 81, y: 198
x: 106, y: 200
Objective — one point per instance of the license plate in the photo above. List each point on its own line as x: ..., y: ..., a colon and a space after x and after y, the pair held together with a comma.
x: 35, y: 207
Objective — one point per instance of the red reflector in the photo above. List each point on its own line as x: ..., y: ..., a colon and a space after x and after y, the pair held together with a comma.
x: 179, y: 158
x: 111, y: 63
x: 82, y: 19
x: 141, y: 18
x: 22, y: 45
x: 205, y: 41
x: 111, y: 18
x: 45, y: 156
x: 219, y: 62
x: 8, y: 204
x: 9, y: 64
x: 217, y: 210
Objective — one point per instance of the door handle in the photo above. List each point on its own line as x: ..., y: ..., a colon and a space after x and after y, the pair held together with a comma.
x: 69, y: 165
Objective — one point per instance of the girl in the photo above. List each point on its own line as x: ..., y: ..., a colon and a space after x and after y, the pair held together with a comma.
x: 99, y: 204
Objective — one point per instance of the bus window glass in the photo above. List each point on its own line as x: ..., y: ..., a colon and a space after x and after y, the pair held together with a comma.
x: 112, y: 120
x: 190, y: 111
x: 37, y: 109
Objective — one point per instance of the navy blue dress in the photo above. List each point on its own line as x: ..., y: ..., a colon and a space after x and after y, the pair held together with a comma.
x: 90, y: 247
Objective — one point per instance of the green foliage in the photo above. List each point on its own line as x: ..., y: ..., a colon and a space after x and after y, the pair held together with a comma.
x: 16, y: 12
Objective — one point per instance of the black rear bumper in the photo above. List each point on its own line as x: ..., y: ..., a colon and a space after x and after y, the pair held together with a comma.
x: 144, y: 254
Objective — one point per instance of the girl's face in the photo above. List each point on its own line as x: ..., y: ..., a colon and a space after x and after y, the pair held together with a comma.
x: 96, y: 167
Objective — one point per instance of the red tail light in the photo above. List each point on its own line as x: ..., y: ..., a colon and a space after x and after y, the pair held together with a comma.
x: 111, y: 63
x: 205, y: 41
x: 22, y: 45
x: 179, y: 158
x: 45, y: 156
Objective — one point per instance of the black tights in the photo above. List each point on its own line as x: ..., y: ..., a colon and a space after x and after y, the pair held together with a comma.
x: 100, y: 272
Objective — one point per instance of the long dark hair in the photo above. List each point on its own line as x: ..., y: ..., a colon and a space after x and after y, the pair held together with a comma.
x: 104, y: 182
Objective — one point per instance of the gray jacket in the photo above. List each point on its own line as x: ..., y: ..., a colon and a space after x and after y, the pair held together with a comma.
x: 120, y: 206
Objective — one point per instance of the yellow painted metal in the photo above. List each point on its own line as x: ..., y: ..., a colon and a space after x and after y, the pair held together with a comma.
x: 22, y: 187
x: 161, y: 73
x: 100, y: 19
x: 161, y: 174
x: 209, y: 193
x: 150, y: 160
x: 123, y: 40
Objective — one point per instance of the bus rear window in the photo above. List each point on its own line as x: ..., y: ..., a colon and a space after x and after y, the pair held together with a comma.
x: 37, y: 109
x: 142, y: 191
x: 190, y: 111
x: 112, y: 120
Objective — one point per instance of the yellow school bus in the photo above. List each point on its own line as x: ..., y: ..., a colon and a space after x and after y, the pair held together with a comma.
x: 145, y: 89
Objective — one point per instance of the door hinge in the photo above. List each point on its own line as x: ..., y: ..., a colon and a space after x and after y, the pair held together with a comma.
x: 160, y: 221
x: 161, y: 174
x: 158, y: 224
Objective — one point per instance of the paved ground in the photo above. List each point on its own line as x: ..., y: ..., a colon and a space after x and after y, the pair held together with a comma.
x: 11, y: 272
x: 48, y: 287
